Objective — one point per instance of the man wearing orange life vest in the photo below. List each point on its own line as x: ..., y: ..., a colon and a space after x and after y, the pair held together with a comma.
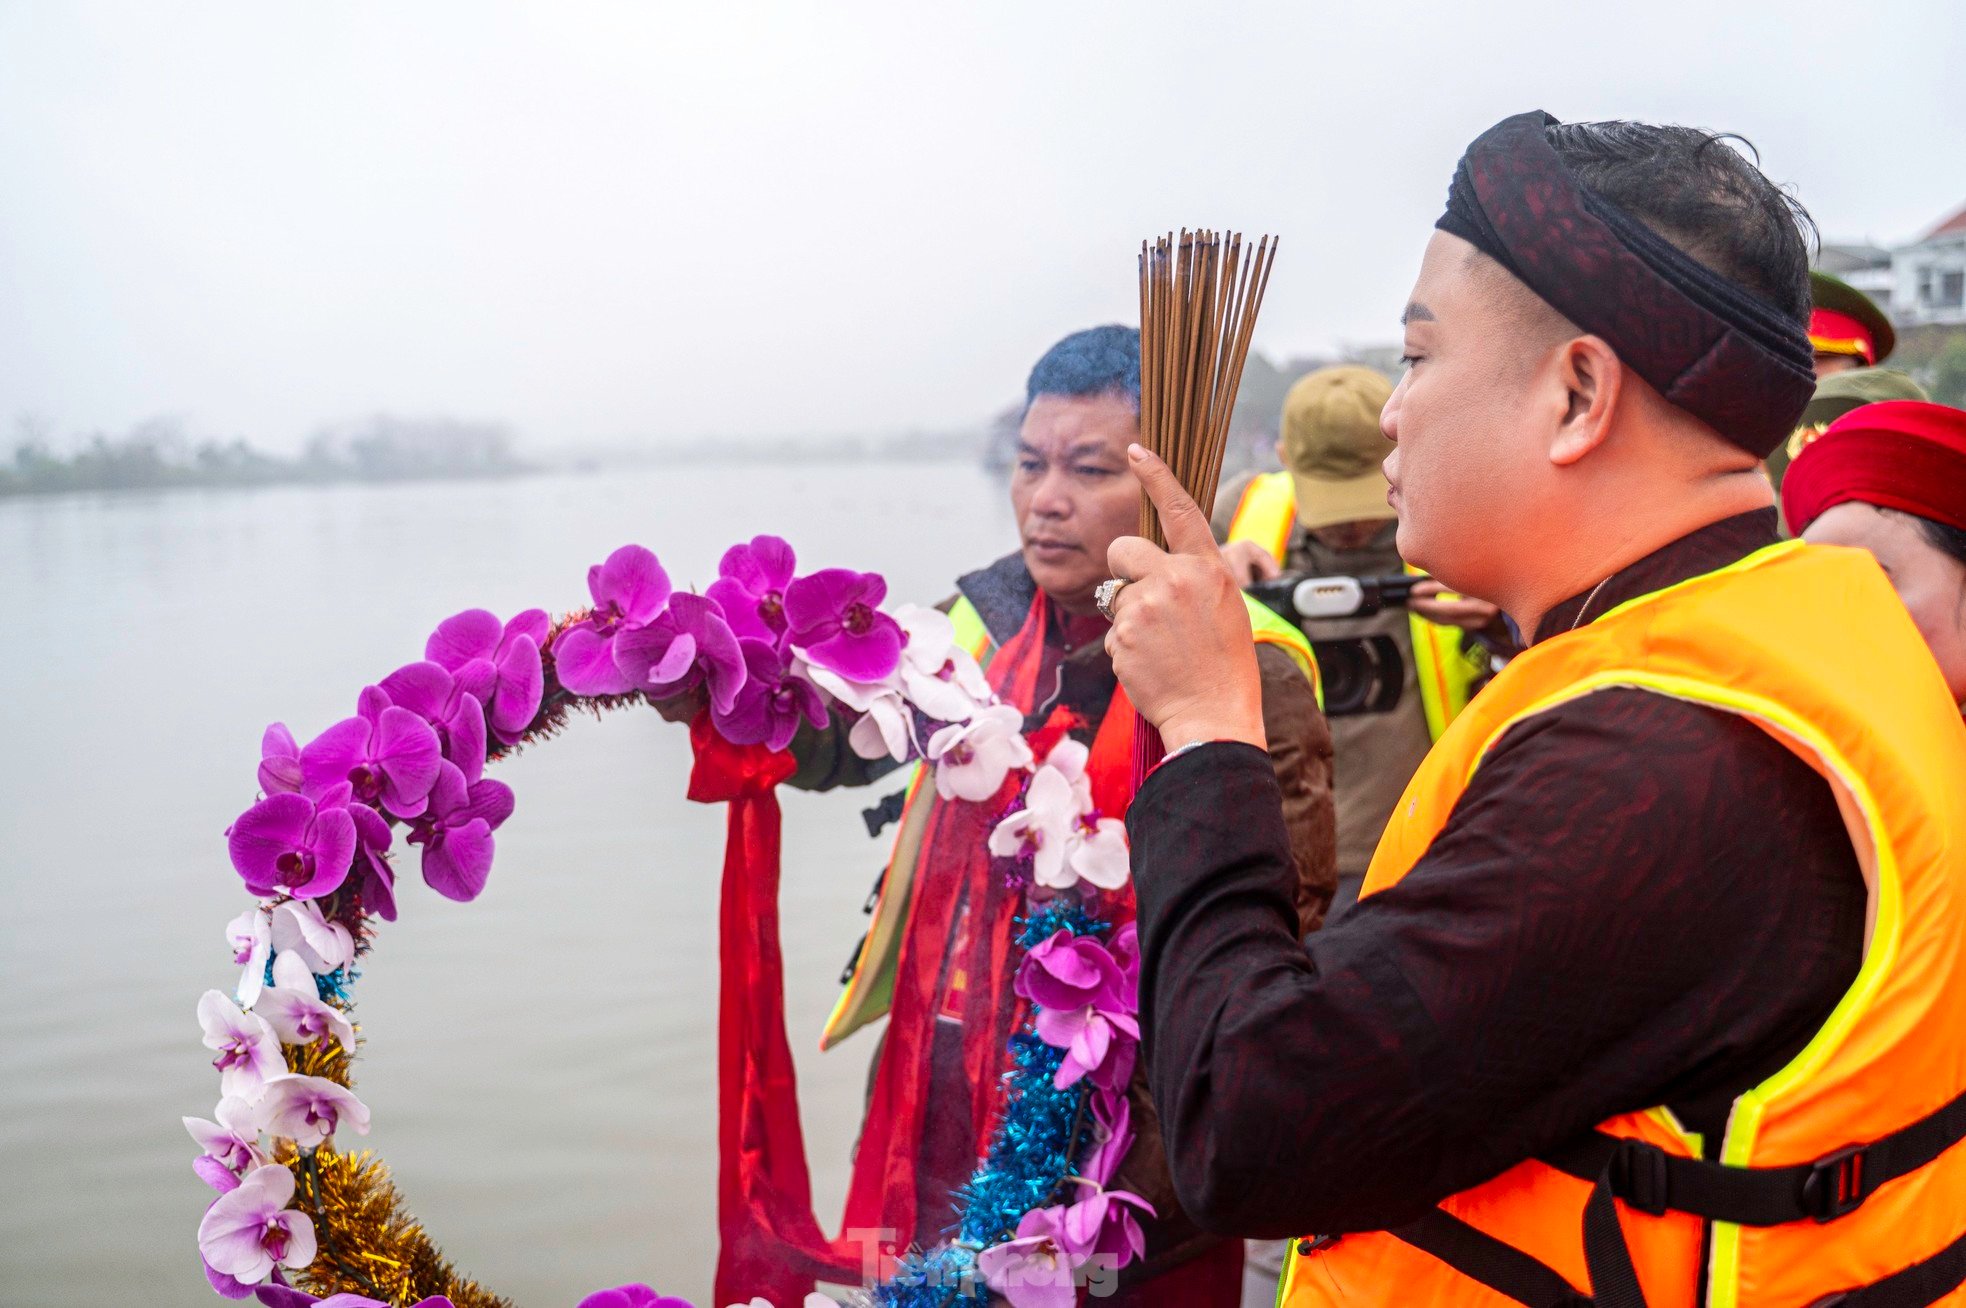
x: 1657, y: 991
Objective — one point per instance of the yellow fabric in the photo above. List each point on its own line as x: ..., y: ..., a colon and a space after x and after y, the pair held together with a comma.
x: 1446, y: 666
x: 1270, y: 628
x: 1443, y: 665
x: 870, y: 982
x: 1811, y: 645
x: 1267, y: 513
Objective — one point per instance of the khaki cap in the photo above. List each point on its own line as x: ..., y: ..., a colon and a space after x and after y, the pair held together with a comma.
x: 1333, y: 448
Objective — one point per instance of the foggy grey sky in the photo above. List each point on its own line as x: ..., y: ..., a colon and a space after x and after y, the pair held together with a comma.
x: 612, y: 221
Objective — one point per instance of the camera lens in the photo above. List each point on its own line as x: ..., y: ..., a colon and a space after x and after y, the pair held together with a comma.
x: 1362, y: 675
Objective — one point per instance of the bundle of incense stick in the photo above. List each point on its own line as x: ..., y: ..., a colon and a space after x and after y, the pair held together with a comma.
x: 1199, y: 295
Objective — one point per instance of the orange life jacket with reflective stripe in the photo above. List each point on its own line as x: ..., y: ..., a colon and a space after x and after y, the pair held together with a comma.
x: 1842, y: 1170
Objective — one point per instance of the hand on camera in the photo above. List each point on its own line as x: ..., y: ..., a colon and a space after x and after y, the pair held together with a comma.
x: 1458, y: 611
x: 1249, y: 562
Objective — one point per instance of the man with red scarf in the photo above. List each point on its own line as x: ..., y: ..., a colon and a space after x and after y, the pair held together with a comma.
x: 936, y: 960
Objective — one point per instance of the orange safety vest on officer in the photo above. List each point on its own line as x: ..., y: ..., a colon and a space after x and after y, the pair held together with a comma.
x: 1447, y: 667
x: 1839, y: 1180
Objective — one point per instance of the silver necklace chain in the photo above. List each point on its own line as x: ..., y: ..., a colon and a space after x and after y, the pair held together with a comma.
x: 1587, y: 604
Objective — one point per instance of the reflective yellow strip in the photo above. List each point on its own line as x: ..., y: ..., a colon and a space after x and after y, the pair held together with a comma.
x: 1430, y: 671
x: 1269, y: 627
x: 1744, y: 1121
x: 1766, y: 554
x: 971, y: 634
x: 1693, y: 1142
x: 1267, y: 512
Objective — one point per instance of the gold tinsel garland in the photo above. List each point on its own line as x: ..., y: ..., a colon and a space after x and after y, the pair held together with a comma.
x: 369, y: 1242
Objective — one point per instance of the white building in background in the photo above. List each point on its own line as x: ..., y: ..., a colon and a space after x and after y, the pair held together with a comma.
x: 1930, y: 277
x: 1922, y: 282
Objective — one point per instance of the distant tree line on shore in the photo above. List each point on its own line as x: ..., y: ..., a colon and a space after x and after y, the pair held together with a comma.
x: 157, y: 454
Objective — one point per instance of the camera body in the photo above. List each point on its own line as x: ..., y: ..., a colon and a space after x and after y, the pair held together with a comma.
x: 1360, y: 674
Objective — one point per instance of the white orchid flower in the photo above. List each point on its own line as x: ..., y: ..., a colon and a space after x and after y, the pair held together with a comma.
x: 884, y: 727
x: 1042, y: 830
x: 251, y: 936
x: 938, y: 676
x: 972, y: 758
x: 299, y: 928
x: 248, y: 1052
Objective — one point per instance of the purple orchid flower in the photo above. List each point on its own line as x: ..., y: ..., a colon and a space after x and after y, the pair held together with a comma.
x: 384, y: 753
x: 230, y: 1145
x: 375, y: 880
x: 1125, y: 949
x: 248, y: 1052
x: 631, y: 1296
x: 285, y: 1296
x: 214, y: 1173
x: 1103, y: 1225
x: 1084, y: 1008
x: 1035, y: 1268
x: 629, y: 590
x: 686, y: 645
x: 1099, y: 1044
x: 1112, y: 1118
x: 773, y: 701
x: 247, y: 1233
x: 499, y: 664
x: 1066, y: 971
x: 228, y: 1287
x: 309, y: 1109
x: 456, y: 832
x: 751, y: 586
x: 289, y: 845
x: 831, y: 617
x: 450, y: 709
x: 279, y: 761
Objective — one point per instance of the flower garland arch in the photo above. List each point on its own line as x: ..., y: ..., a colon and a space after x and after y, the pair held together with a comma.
x: 766, y: 649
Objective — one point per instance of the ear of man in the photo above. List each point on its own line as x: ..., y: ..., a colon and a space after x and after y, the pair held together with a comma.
x: 1593, y: 382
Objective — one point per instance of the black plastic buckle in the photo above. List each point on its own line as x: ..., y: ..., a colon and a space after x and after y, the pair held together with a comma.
x: 1638, y: 1176
x: 1315, y: 1243
x: 1836, y: 1185
x: 846, y: 973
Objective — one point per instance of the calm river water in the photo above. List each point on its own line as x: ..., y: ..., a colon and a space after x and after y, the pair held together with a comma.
x: 540, y: 1063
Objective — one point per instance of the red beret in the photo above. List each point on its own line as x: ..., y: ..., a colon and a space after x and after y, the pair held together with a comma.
x: 1898, y: 454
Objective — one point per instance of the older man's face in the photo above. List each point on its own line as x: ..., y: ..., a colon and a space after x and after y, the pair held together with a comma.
x: 1073, y: 492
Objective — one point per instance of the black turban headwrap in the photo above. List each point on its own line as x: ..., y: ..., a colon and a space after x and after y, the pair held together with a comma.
x: 1708, y: 345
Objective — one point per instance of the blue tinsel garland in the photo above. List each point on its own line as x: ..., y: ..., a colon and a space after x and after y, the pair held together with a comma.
x: 1032, y: 1151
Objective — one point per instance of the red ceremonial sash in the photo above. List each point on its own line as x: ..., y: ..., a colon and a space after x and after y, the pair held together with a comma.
x: 771, y: 1241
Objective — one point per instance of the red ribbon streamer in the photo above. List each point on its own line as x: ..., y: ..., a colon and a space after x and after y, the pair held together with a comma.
x: 770, y: 1242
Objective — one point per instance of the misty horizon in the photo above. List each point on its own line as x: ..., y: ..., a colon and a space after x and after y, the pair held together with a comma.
x: 619, y: 226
